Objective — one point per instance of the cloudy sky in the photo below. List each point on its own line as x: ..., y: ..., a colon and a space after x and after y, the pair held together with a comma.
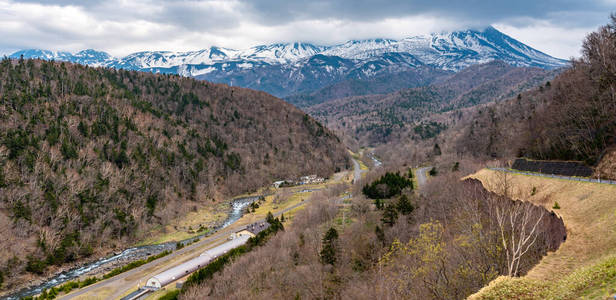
x: 120, y: 27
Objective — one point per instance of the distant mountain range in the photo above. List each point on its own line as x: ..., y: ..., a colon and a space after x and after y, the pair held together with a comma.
x: 300, y: 68
x: 375, y: 118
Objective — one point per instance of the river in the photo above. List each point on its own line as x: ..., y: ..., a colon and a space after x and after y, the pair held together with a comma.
x: 237, y: 211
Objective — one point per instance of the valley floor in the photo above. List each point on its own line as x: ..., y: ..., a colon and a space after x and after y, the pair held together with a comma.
x: 125, y: 283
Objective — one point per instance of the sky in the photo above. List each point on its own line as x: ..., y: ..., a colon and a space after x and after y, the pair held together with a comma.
x: 121, y: 27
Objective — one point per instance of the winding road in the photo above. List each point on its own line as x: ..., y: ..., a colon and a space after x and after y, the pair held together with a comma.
x: 356, y: 171
x: 422, y: 178
x: 580, y: 179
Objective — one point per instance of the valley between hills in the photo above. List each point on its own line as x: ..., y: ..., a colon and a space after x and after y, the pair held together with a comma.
x: 448, y: 166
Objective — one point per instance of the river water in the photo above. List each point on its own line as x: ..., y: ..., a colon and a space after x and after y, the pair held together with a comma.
x: 237, y: 211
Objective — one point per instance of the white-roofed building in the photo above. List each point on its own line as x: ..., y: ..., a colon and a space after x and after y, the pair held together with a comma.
x: 164, y: 278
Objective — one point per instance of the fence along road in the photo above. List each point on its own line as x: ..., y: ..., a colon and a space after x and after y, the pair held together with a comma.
x: 580, y: 179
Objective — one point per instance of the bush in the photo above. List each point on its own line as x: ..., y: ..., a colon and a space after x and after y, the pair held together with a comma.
x: 22, y: 211
x: 135, y: 264
x: 170, y: 295
x: 433, y: 171
x: 35, y: 265
x: 88, y: 281
x: 556, y: 206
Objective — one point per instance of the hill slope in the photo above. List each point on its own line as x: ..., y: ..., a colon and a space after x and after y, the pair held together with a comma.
x: 572, y: 118
x: 383, y: 118
x: 91, y: 158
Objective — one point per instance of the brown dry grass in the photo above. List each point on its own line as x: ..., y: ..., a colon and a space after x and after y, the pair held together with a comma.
x: 588, y: 211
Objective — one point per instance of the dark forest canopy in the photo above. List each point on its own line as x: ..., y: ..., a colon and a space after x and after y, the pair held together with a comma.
x: 91, y: 158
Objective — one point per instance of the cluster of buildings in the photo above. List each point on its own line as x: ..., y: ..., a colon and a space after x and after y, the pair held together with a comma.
x: 309, y: 179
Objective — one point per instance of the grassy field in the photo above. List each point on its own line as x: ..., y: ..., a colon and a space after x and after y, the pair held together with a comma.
x: 585, y: 264
x: 207, y: 216
x: 187, y: 226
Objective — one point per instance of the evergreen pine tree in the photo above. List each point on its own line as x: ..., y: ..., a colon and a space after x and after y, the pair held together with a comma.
x: 378, y: 203
x: 390, y: 215
x: 404, y: 205
x: 328, y: 252
x: 437, y: 150
x: 380, y: 234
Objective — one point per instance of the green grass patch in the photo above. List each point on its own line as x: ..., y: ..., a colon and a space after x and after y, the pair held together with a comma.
x: 65, y: 288
x: 596, y: 281
x: 171, y: 295
x: 135, y: 264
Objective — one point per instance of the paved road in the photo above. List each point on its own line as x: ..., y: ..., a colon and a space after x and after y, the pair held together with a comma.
x: 356, y: 171
x: 127, y: 285
x: 579, y: 179
x: 122, y: 287
x: 422, y: 178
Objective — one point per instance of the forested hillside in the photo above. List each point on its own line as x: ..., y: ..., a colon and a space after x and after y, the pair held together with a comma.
x: 374, y: 119
x: 444, y: 243
x: 572, y: 117
x: 91, y: 158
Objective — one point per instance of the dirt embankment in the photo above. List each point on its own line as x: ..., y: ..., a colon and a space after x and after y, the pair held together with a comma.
x: 551, y: 229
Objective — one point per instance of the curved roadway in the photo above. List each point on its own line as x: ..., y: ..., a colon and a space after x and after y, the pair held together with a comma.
x: 422, y: 178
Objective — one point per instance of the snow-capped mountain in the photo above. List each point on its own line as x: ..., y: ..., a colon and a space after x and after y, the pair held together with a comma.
x: 284, y: 69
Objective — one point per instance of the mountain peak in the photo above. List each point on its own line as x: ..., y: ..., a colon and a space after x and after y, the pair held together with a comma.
x: 448, y: 51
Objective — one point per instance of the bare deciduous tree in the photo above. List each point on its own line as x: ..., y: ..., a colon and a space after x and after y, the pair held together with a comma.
x: 517, y: 223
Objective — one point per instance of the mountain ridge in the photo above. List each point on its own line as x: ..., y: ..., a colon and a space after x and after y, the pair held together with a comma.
x: 280, y: 53
x: 287, y: 69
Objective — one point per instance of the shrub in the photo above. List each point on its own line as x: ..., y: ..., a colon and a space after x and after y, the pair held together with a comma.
x: 433, y: 171
x: 556, y: 206
x: 135, y: 264
x: 170, y: 295
x: 35, y: 265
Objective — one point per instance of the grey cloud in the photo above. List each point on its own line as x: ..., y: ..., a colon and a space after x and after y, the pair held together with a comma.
x: 478, y: 11
x: 158, y: 24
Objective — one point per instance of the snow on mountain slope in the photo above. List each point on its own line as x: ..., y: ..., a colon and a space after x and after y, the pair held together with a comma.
x: 450, y: 51
x: 281, y: 53
x: 286, y: 68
